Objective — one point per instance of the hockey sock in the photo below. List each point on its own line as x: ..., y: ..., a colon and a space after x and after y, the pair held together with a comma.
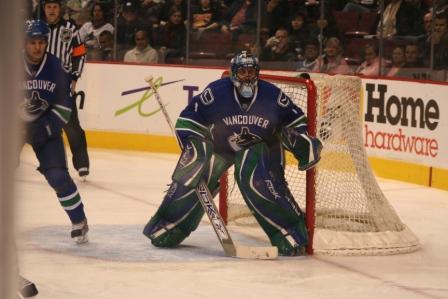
x: 67, y: 193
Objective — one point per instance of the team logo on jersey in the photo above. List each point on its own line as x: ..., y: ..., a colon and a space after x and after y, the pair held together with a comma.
x: 207, y: 97
x: 33, y: 107
x: 242, y: 140
x: 283, y: 100
x: 66, y: 35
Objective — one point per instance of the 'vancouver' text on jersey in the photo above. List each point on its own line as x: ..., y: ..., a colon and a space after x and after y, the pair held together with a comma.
x: 217, y: 114
x: 47, y: 92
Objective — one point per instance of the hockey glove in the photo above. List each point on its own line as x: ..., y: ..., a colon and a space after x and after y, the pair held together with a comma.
x: 306, y: 149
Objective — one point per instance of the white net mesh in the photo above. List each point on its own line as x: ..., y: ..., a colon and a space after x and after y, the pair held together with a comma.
x: 352, y: 216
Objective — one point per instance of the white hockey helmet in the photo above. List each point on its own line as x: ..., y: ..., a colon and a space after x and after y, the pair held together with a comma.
x: 244, y: 71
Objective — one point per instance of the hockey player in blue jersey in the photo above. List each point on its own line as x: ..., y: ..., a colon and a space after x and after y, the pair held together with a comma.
x: 245, y: 121
x: 44, y: 111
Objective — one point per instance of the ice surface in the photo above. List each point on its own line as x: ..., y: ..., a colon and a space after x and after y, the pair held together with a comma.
x: 124, y: 190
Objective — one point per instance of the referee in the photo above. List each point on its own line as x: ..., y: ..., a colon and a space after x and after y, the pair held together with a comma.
x: 64, y: 42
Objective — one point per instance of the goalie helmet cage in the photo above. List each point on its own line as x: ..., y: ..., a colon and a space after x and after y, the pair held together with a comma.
x: 346, y: 211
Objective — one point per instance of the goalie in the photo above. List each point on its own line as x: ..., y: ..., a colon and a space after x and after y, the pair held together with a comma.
x: 245, y: 121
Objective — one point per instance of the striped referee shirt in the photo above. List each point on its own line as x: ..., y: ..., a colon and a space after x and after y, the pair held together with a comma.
x: 64, y: 42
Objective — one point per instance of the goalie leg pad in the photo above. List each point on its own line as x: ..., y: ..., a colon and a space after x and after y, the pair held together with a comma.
x: 193, y: 162
x: 180, y: 212
x: 179, y: 215
x: 265, y: 191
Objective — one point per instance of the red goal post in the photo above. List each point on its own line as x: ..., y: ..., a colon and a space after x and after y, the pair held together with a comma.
x: 346, y: 212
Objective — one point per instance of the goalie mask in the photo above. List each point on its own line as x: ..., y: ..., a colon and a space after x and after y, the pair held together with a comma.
x: 244, y: 70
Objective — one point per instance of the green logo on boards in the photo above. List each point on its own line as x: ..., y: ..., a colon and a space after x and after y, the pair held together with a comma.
x: 149, y: 92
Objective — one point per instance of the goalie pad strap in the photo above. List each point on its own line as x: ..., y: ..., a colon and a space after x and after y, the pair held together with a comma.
x: 193, y: 162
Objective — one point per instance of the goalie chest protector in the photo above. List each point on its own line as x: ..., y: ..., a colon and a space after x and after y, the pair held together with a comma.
x: 235, y: 126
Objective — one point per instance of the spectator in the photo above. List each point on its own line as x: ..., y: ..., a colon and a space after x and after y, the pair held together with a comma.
x: 398, y: 61
x: 361, y: 6
x: 168, y: 6
x: 205, y: 17
x: 332, y: 62
x: 371, y: 64
x: 241, y: 17
x: 310, y: 54
x: 278, y: 48
x: 106, y: 40
x: 90, y: 31
x: 440, y: 37
x: 412, y: 56
x: 128, y: 22
x: 143, y: 52
x: 151, y: 11
x: 173, y: 36
x: 276, y: 14
x: 413, y: 62
x: 327, y: 24
x: 299, y: 32
x: 73, y: 11
x: 400, y: 18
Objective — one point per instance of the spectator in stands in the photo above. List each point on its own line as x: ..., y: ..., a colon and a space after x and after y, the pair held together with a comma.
x: 412, y: 56
x: 427, y: 22
x: 278, y: 48
x: 128, y: 22
x: 90, y: 31
x: 332, y: 62
x: 168, y: 7
x: 276, y: 15
x: 143, y: 52
x: 310, y: 54
x: 398, y: 61
x: 371, y: 64
x: 106, y: 40
x: 241, y: 17
x: 326, y: 23
x: 173, y: 36
x: 73, y: 11
x: 361, y: 6
x: 400, y: 18
x: 151, y: 11
x: 205, y: 17
x: 299, y: 32
x: 413, y: 62
x: 440, y: 37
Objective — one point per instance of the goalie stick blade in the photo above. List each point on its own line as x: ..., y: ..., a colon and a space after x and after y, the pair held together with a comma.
x: 260, y: 253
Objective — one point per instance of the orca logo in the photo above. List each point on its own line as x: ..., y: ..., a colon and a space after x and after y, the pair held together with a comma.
x: 243, y: 140
x: 33, y: 107
x: 283, y: 100
x: 207, y: 97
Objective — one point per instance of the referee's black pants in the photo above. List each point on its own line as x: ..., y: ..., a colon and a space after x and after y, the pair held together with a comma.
x: 77, y: 139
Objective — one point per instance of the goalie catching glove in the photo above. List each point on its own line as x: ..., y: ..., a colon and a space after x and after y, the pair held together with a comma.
x: 306, y: 149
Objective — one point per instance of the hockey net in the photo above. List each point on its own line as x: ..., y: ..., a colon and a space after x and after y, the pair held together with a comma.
x: 346, y: 211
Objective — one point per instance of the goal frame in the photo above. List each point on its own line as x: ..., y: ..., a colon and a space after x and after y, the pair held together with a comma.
x: 346, y: 211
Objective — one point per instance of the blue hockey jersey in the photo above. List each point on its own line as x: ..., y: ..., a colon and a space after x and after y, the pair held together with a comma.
x: 47, y: 93
x: 218, y: 115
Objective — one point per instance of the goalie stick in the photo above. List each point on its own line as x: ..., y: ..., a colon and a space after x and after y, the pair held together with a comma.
x: 209, y: 206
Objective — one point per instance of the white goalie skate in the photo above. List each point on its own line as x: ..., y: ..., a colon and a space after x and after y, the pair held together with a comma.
x: 79, y: 232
